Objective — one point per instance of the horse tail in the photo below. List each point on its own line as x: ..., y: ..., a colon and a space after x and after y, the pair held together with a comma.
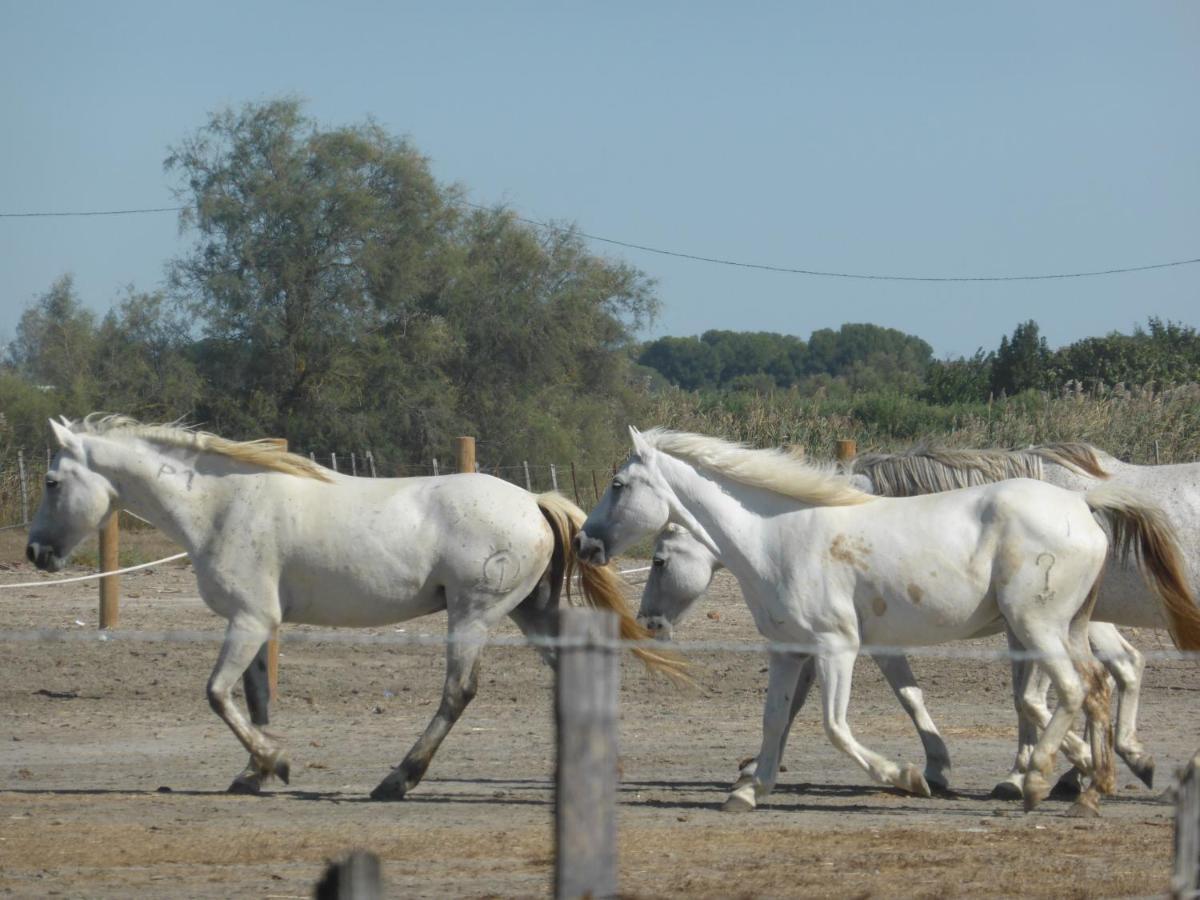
x: 1141, y: 530
x: 603, y: 588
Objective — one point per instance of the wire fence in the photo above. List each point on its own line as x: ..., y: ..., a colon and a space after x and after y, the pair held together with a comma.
x: 401, y: 637
x: 23, y: 474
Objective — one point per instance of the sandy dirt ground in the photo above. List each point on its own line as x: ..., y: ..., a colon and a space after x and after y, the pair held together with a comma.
x: 113, y: 771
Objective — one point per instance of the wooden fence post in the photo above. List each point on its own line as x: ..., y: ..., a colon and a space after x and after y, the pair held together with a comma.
x: 528, y: 483
x: 435, y: 467
x: 357, y: 877
x: 553, y: 478
x: 110, y: 585
x: 1185, y: 879
x: 595, y: 487
x: 464, y: 448
x: 24, y: 488
x: 371, y: 463
x: 846, y: 450
x: 585, y: 806
x: 574, y: 484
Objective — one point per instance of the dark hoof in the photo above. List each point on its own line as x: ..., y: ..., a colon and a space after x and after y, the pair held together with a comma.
x: 1144, y: 769
x: 249, y: 785
x: 392, y: 788
x: 1006, y: 790
x: 283, y: 769
x: 1066, y: 788
x: 938, y: 783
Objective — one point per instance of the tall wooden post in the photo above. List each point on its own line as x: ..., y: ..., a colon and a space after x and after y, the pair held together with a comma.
x: 846, y: 450
x: 464, y: 448
x: 110, y: 585
x: 273, y: 641
x: 585, y: 807
x: 1185, y: 879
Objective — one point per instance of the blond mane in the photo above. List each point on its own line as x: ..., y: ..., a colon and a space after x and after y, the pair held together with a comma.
x: 263, y: 453
x: 924, y: 470
x: 772, y: 470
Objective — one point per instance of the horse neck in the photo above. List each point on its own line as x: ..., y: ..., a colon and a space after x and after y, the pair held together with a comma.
x: 161, y: 487
x: 725, y: 509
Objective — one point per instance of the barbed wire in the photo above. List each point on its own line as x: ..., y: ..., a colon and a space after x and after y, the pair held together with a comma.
x: 404, y: 638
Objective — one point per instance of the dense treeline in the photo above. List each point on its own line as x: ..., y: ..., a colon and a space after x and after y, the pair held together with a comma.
x: 859, y: 358
x: 337, y: 295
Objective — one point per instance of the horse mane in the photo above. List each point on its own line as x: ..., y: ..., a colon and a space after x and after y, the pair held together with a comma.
x: 263, y: 453
x: 924, y: 470
x: 773, y: 470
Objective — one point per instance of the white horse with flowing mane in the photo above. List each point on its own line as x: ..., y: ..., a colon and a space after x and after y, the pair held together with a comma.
x: 825, y: 565
x: 275, y: 538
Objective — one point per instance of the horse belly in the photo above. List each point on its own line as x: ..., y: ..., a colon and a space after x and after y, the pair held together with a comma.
x: 913, y: 616
x: 339, y: 599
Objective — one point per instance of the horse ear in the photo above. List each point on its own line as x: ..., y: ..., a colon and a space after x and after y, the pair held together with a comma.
x: 640, y: 447
x: 65, y: 436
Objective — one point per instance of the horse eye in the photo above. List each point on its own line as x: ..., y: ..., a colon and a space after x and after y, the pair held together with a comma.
x: 51, y: 482
x: 617, y: 484
x: 658, y: 562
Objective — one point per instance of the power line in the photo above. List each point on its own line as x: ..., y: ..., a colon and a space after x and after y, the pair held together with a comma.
x: 713, y: 260
x: 100, y: 212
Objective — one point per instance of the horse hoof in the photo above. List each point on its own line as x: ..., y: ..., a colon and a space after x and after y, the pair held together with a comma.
x: 742, y: 797
x: 391, y: 789
x: 1035, y: 790
x: 1081, y: 809
x: 1143, y: 768
x: 938, y: 782
x: 1066, y: 788
x: 1006, y: 790
x: 282, y: 768
x: 914, y: 782
x: 737, y: 804
x: 249, y: 785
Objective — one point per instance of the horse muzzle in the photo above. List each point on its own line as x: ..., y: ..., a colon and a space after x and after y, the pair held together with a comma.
x: 590, y: 550
x: 44, y: 556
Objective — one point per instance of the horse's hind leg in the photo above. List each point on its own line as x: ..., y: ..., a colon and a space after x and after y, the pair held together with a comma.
x: 467, y: 630
x: 1126, y: 665
x: 899, y: 675
x: 243, y: 641
x: 536, y: 617
x: 257, y: 688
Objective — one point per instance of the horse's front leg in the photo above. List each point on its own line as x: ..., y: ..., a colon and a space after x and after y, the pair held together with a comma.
x: 244, y: 639
x: 835, y: 668
x: 804, y: 682
x: 783, y: 677
x: 257, y: 688
x: 899, y: 675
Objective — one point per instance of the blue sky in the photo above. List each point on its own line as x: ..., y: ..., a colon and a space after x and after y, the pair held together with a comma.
x: 882, y: 138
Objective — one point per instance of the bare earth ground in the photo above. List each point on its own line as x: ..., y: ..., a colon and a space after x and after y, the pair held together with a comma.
x: 113, y: 770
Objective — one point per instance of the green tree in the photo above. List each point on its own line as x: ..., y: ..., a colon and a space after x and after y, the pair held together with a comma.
x: 314, y: 249
x: 55, y: 346
x: 1022, y: 363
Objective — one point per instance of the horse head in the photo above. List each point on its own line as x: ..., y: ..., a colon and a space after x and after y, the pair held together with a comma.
x: 76, y: 501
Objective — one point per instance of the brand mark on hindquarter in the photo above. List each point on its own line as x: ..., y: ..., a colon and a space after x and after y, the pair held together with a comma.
x: 500, y: 572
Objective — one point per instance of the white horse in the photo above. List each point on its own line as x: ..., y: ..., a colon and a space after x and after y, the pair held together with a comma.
x: 275, y: 538
x: 1126, y: 598
x: 828, y: 566
x: 681, y: 571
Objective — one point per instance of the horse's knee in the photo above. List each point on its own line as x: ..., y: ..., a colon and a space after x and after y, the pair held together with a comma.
x: 216, y: 698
